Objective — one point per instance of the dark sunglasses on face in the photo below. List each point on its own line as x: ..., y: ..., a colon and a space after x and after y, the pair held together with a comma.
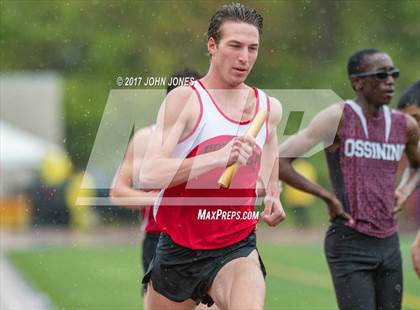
x: 379, y: 75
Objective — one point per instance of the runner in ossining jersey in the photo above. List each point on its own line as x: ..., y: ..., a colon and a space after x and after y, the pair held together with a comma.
x: 202, y: 257
x: 361, y: 245
x: 126, y: 189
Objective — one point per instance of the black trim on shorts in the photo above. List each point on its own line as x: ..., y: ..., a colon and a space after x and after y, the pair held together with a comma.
x: 149, y: 246
x: 148, y: 251
x: 179, y: 273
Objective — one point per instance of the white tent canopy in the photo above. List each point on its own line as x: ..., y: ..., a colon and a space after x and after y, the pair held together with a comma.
x: 21, y: 150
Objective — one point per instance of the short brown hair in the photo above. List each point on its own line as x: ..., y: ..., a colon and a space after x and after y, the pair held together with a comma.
x: 233, y: 12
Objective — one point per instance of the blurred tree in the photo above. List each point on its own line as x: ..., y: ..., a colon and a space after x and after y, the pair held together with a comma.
x: 305, y: 45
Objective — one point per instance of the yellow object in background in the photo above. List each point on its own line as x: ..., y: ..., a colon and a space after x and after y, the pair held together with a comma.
x: 14, y: 212
x: 294, y: 197
x: 56, y: 168
x: 81, y: 216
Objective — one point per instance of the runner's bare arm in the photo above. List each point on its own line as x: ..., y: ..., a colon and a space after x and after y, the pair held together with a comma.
x: 320, y: 129
x: 412, y: 150
x: 176, y: 119
x: 415, y: 253
x: 123, y: 194
x: 268, y: 177
x: 273, y: 210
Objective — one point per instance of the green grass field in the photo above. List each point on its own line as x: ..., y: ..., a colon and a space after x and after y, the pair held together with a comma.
x: 109, y: 277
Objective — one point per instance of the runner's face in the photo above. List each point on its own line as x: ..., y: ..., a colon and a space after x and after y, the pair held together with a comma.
x: 375, y: 91
x: 236, y: 53
x: 414, y: 111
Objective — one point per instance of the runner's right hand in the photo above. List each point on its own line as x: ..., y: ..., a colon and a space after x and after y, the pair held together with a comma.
x: 335, y: 209
x: 239, y: 149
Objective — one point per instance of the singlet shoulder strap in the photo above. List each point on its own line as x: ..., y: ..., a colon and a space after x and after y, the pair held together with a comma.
x: 358, y: 110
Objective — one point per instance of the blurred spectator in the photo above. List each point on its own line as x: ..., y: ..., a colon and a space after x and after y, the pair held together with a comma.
x: 410, y: 103
x: 82, y: 217
x: 47, y: 193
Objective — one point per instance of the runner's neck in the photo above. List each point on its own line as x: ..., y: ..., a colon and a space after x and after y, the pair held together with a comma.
x: 369, y: 109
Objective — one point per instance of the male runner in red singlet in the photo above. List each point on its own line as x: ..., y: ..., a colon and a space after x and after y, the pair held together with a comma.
x: 361, y: 245
x: 201, y: 256
x: 126, y: 189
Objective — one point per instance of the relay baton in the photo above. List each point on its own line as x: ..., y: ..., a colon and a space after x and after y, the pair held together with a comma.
x: 252, y: 131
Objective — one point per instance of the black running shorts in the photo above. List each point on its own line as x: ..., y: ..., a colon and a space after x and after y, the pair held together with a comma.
x: 179, y: 273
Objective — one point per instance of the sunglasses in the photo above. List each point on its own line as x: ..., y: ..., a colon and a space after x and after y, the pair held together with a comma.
x: 379, y: 75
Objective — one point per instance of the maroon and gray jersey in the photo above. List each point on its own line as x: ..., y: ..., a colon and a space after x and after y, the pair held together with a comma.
x: 363, y: 168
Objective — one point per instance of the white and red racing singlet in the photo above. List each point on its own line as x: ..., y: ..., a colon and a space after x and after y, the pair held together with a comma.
x: 187, y: 212
x: 149, y: 224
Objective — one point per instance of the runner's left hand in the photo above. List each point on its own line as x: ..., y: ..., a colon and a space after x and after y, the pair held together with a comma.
x: 400, y: 198
x: 273, y: 213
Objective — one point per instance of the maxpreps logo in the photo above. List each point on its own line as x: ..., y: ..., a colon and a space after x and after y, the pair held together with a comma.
x: 219, y: 214
x: 373, y: 150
